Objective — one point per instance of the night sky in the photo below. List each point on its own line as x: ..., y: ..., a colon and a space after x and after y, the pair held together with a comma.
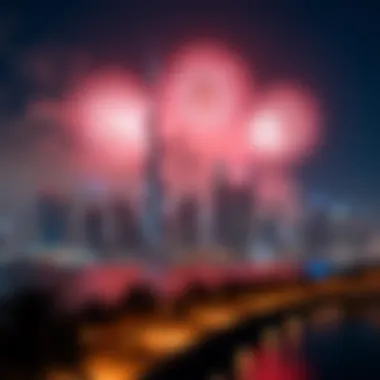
x: 329, y: 46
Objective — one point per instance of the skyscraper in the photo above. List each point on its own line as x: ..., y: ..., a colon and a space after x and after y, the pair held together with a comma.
x: 52, y: 213
x: 94, y: 227
x: 233, y: 215
x: 153, y: 212
x: 187, y: 219
x: 317, y: 233
x: 126, y: 226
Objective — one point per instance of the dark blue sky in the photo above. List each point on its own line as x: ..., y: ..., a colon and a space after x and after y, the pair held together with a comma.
x: 330, y: 46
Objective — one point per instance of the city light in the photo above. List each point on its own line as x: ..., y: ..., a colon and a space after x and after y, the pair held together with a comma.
x: 207, y: 114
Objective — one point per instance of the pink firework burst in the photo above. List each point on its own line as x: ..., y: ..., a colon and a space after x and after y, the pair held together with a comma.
x: 285, y: 125
x: 204, y: 93
x: 111, y: 110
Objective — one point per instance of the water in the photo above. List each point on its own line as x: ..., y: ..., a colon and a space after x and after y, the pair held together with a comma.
x: 350, y: 351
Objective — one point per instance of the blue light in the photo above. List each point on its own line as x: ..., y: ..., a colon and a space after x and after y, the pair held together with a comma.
x: 319, y: 269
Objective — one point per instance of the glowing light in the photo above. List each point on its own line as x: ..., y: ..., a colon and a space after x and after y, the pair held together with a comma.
x: 268, y: 133
x: 204, y: 96
x: 117, y: 119
x: 111, y: 111
x: 101, y: 367
x: 285, y: 125
x: 205, y: 90
x: 161, y: 338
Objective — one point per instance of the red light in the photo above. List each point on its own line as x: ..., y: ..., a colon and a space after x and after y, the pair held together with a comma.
x: 285, y: 125
x: 204, y: 93
x: 267, y: 133
x: 111, y: 110
x: 116, y: 118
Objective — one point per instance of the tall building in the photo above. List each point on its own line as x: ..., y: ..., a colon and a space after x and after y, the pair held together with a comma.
x: 187, y: 219
x: 153, y: 225
x: 126, y: 225
x: 94, y: 227
x: 221, y: 211
x: 241, y: 216
x: 317, y: 233
x: 153, y: 219
x: 233, y: 215
x: 52, y: 214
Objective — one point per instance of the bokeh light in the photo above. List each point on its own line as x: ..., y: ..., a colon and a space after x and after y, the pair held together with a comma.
x: 204, y: 97
x: 205, y: 89
x: 284, y: 127
x: 111, y: 112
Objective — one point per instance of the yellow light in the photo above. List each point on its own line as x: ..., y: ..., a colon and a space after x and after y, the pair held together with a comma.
x: 166, y: 338
x: 213, y: 318
x: 103, y: 367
